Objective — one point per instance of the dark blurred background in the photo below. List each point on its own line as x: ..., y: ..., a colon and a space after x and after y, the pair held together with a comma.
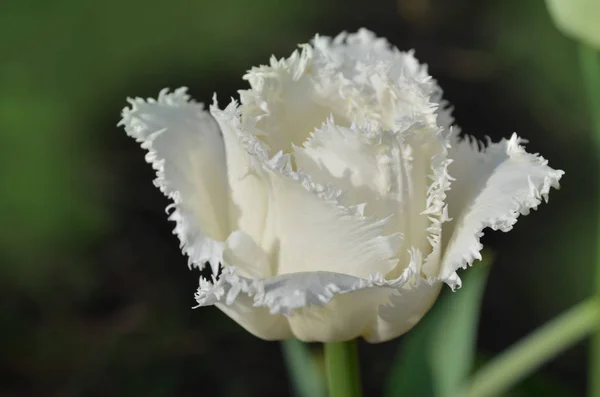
x: 95, y: 296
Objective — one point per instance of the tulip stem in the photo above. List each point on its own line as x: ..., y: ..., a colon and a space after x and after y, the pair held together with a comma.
x: 305, y: 374
x: 343, y: 373
x: 534, y: 350
x: 590, y: 71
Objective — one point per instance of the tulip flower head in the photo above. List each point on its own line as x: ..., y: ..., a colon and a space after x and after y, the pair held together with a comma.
x: 334, y: 199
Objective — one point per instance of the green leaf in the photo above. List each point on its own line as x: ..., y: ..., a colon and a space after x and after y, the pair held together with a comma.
x: 437, y: 356
x: 411, y: 373
x: 306, y: 377
x: 538, y: 384
x: 453, y: 341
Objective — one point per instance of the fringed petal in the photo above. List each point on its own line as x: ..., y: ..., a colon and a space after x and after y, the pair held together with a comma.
x: 399, y: 84
x: 249, y: 190
x: 320, y: 306
x: 353, y: 78
x: 186, y: 149
x: 402, y: 175
x: 493, y: 186
x: 247, y: 259
x: 290, y: 98
x: 303, y: 226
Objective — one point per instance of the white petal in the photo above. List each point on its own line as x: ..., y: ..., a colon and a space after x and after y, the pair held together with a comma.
x: 320, y: 306
x: 375, y: 311
x: 405, y: 310
x: 248, y: 190
x: 186, y: 149
x: 356, y: 160
x: 289, y: 99
x: 346, y: 317
x: 401, y: 174
x: 246, y: 256
x: 355, y: 77
x: 257, y: 320
x: 313, y: 232
x: 400, y: 84
x: 407, y: 305
x: 324, y: 306
x: 492, y: 188
x: 249, y: 260
x: 298, y: 223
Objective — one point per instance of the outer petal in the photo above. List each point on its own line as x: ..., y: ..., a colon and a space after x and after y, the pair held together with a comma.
x: 186, y: 149
x: 257, y: 320
x: 250, y: 261
x: 405, y: 310
x: 492, y: 188
x: 320, y: 306
x: 409, y: 304
x: 377, y: 313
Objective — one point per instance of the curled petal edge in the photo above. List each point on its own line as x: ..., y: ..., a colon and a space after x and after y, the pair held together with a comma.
x: 537, y: 192
x: 285, y: 293
x: 199, y: 248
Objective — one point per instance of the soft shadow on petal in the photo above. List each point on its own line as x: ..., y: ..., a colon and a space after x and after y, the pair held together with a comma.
x: 256, y: 320
x: 248, y: 189
x: 409, y: 303
x: 315, y: 233
x: 405, y: 310
x: 289, y: 99
x: 186, y: 148
x: 400, y: 174
x: 358, y: 161
x: 246, y: 256
x: 492, y: 188
x: 320, y: 306
x: 354, y: 51
x: 242, y: 256
x: 346, y: 317
x: 299, y: 224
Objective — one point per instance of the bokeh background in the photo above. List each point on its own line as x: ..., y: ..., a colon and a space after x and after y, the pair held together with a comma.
x: 95, y: 296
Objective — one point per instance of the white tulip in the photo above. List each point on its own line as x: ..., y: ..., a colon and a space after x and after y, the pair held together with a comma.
x: 334, y: 200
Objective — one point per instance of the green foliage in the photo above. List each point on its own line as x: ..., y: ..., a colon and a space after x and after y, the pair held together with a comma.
x: 65, y: 71
x: 306, y: 377
x: 541, y: 65
x: 68, y: 59
x: 438, y: 355
x: 540, y: 73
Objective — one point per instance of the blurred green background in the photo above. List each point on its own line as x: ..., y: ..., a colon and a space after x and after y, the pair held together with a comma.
x: 95, y: 297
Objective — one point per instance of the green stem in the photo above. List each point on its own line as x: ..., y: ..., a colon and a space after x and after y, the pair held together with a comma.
x: 534, y: 350
x: 590, y: 71
x: 343, y: 374
x: 304, y: 373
